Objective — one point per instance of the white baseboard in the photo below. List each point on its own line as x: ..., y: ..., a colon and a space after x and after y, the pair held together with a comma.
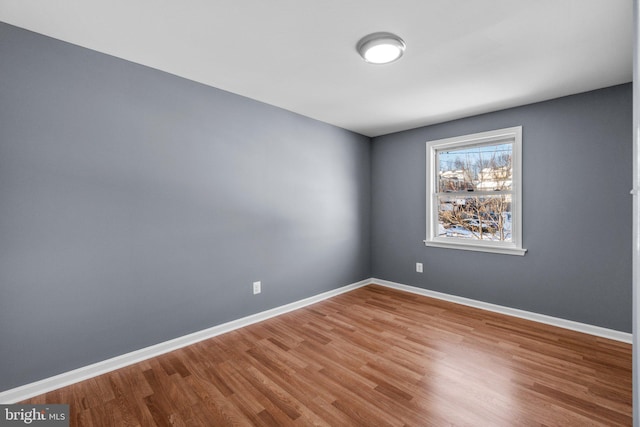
x: 48, y: 384
x: 541, y: 318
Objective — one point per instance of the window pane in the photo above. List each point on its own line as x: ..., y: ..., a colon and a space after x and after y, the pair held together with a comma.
x: 477, y: 168
x: 475, y: 217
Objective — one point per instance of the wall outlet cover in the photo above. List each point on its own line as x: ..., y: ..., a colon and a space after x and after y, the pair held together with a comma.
x: 257, y: 287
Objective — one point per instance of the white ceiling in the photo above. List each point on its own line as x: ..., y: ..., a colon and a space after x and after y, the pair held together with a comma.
x: 463, y: 57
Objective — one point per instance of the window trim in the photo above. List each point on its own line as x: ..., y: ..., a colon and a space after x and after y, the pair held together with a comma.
x: 432, y: 239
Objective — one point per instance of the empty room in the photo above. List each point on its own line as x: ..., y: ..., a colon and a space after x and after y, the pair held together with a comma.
x: 362, y: 213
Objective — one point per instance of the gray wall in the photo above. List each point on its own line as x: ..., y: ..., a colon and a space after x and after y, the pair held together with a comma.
x: 576, y: 212
x: 136, y: 207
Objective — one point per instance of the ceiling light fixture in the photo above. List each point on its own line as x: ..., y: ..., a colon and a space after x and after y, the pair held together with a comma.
x: 381, y: 48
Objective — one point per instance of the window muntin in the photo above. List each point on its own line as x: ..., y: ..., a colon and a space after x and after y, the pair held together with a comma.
x: 474, y: 190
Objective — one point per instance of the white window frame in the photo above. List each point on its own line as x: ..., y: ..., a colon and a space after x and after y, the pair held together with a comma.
x: 514, y: 247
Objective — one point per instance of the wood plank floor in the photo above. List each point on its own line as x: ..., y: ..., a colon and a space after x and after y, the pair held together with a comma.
x: 371, y: 357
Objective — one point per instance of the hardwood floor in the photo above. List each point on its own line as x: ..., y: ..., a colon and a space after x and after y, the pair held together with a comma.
x: 371, y: 357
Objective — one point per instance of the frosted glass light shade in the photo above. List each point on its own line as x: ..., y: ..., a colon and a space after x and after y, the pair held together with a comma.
x: 381, y: 48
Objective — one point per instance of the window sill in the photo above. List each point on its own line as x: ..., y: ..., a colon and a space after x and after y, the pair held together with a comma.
x: 478, y: 248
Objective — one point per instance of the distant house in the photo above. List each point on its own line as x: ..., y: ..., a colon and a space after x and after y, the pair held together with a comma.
x: 494, y: 179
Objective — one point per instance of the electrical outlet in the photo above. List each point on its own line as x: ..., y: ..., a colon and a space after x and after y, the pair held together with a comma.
x: 419, y: 267
x: 257, y: 287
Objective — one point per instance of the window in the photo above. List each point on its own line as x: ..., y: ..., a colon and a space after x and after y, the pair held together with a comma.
x: 474, y: 192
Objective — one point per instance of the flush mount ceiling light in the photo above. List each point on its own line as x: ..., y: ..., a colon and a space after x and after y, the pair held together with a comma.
x: 381, y: 48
